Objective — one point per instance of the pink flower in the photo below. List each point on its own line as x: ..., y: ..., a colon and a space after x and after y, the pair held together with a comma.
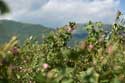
x: 45, y: 65
x: 110, y: 50
x: 91, y: 46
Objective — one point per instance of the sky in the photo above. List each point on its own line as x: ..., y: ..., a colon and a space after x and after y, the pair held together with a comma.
x: 55, y: 13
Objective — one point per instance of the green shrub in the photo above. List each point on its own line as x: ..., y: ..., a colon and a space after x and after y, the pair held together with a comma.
x: 98, y: 59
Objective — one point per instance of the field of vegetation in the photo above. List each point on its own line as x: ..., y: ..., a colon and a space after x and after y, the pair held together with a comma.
x: 100, y: 58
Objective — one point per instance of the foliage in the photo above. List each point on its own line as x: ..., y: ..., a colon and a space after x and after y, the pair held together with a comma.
x: 3, y: 7
x: 98, y: 59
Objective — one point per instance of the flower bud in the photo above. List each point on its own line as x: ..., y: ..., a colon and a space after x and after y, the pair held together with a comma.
x: 15, y: 50
x: 83, y: 45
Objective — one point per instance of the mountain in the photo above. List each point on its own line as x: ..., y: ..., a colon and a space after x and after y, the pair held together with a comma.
x: 10, y: 28
x: 80, y: 33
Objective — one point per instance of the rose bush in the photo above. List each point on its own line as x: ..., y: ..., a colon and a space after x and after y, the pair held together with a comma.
x: 97, y: 59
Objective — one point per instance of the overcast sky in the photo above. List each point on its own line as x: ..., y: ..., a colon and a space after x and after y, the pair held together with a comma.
x: 55, y: 13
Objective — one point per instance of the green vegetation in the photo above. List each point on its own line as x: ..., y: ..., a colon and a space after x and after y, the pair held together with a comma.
x: 99, y: 58
x: 3, y: 7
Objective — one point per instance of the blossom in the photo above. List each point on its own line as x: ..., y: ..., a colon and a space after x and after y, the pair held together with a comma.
x: 45, y: 65
x: 91, y: 46
x: 110, y: 49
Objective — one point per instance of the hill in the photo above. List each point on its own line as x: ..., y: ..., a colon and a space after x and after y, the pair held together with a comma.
x: 10, y: 28
x: 80, y: 33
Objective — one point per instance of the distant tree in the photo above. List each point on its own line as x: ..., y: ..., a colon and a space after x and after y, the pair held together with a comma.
x: 3, y: 7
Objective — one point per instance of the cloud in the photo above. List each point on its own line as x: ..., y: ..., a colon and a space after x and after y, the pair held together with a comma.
x: 58, y: 12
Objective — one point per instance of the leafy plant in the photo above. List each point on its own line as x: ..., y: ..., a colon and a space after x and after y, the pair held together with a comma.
x: 100, y: 58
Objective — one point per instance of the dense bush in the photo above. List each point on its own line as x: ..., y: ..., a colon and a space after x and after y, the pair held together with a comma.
x: 98, y: 59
